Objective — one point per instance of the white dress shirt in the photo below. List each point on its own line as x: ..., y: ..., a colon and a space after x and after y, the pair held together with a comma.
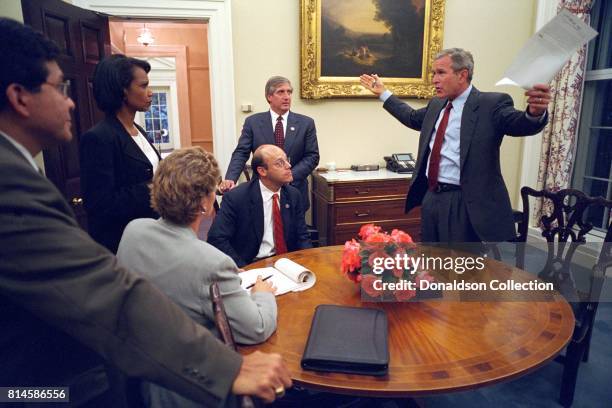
x: 450, y: 154
x: 267, y: 248
x: 275, y: 115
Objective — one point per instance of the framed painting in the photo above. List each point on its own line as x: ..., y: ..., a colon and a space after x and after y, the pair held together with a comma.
x: 342, y: 39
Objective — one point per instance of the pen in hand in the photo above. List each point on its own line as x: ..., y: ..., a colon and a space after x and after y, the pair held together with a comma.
x: 253, y: 284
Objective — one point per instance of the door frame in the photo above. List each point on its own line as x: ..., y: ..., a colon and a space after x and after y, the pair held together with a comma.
x: 221, y: 60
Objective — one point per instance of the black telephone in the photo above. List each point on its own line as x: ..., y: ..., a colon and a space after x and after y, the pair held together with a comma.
x: 400, y: 163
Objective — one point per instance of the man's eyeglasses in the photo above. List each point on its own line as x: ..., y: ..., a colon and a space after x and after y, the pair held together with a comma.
x: 281, y: 163
x: 63, y: 87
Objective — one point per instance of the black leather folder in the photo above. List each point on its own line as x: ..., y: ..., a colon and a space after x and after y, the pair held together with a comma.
x: 349, y: 340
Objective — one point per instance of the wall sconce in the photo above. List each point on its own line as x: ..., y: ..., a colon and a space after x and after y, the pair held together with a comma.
x: 146, y: 37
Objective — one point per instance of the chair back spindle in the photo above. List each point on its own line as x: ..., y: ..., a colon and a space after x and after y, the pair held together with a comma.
x: 225, y: 331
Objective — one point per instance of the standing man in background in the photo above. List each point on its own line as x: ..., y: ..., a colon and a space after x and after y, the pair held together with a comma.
x: 292, y: 132
x: 458, y: 176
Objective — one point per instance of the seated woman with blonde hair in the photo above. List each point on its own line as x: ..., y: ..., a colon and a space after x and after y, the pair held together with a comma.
x: 168, y: 252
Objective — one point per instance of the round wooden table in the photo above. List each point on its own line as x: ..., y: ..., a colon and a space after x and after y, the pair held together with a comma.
x: 435, y: 346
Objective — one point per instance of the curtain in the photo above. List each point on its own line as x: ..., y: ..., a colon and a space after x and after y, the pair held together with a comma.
x: 559, y: 135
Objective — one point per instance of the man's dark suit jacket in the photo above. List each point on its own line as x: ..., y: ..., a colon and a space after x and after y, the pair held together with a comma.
x: 486, y: 118
x: 301, y: 147
x: 239, y: 226
x: 65, y: 302
x: 115, y: 174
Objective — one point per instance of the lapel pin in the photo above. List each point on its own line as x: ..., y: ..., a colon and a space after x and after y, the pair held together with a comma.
x: 292, y: 128
x: 286, y: 205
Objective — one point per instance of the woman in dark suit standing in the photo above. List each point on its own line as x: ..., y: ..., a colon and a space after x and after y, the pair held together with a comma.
x: 117, y: 159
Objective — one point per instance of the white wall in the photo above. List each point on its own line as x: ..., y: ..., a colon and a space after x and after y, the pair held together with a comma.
x: 266, y: 38
x: 11, y: 9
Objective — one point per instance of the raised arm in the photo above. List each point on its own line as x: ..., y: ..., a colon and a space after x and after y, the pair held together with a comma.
x: 413, y: 118
x: 513, y: 122
x: 372, y: 83
x: 538, y: 98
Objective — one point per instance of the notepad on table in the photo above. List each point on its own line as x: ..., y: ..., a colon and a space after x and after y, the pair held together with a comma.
x: 286, y: 276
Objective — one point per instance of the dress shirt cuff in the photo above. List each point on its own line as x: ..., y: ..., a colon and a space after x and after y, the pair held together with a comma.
x: 385, y: 95
x: 532, y: 118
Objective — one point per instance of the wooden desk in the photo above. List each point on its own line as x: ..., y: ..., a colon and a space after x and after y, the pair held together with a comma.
x: 345, y: 200
x: 435, y: 346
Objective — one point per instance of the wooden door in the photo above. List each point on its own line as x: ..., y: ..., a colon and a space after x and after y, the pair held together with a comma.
x: 83, y: 38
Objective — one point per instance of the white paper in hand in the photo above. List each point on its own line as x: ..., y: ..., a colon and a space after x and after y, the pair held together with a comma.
x: 547, y: 51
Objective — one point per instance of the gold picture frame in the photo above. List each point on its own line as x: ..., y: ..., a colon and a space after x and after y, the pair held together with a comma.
x: 333, y: 50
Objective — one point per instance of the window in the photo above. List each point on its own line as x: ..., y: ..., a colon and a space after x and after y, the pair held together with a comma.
x: 593, y: 166
x: 156, y: 119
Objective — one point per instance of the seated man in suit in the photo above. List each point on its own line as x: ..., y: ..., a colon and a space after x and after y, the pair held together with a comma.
x: 292, y: 132
x: 250, y: 225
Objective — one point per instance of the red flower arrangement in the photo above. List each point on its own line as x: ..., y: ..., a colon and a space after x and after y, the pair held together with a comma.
x: 359, y: 262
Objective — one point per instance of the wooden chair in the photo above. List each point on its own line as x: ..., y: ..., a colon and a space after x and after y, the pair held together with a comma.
x: 247, y: 170
x: 225, y: 332
x: 565, y: 229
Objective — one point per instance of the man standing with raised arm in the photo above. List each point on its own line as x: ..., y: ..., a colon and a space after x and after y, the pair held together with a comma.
x: 458, y: 178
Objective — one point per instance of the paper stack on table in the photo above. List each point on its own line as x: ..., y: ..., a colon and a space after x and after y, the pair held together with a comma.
x: 547, y: 50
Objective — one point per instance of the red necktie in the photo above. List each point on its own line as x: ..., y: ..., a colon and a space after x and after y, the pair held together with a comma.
x: 277, y: 220
x: 279, y: 137
x: 434, y: 157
